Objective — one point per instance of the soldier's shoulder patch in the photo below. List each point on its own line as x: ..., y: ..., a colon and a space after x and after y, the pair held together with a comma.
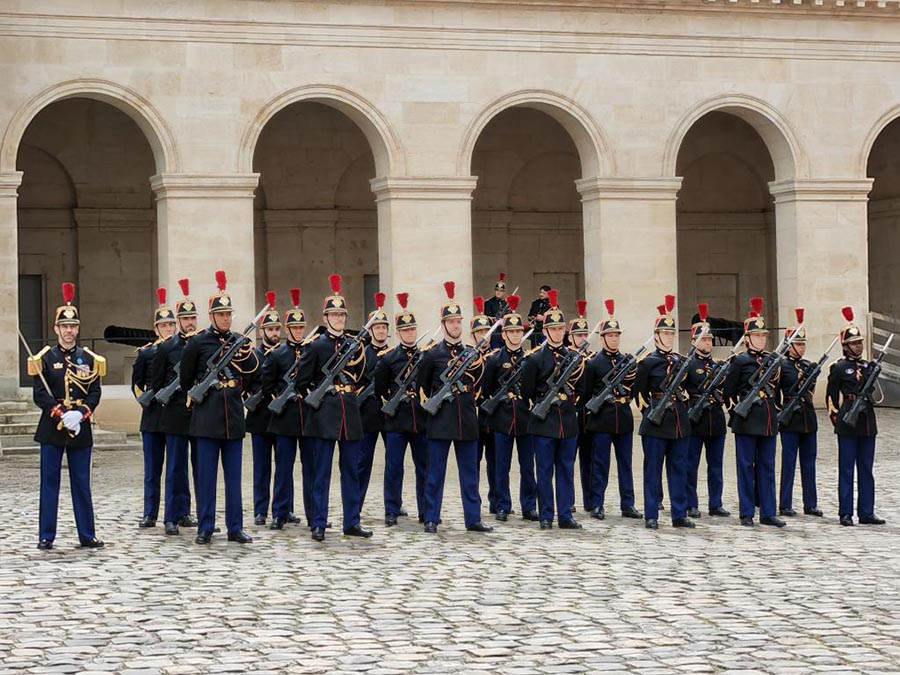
x: 36, y: 362
x: 533, y: 350
x: 430, y: 345
x: 389, y: 350
x: 99, y: 362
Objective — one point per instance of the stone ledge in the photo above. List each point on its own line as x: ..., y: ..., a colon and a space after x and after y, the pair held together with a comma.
x: 204, y: 185
x: 418, y: 188
x: 642, y: 189
x: 821, y: 190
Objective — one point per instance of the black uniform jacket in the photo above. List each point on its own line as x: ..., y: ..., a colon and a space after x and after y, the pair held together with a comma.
x: 141, y: 382
x: 613, y: 417
x: 763, y: 417
x: 456, y: 419
x: 394, y: 364
x: 512, y: 415
x: 702, y: 370
x: 257, y: 422
x: 540, y: 367
x: 175, y: 416
x: 653, y: 375
x: 221, y: 414
x: 793, y: 374
x: 370, y: 409
x: 845, y: 379
x: 338, y: 417
x: 276, y: 361
x: 74, y: 380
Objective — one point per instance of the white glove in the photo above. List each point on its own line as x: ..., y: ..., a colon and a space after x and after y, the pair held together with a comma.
x: 76, y: 430
x: 72, y: 419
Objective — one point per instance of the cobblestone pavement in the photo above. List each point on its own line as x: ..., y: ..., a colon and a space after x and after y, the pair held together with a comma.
x: 614, y: 597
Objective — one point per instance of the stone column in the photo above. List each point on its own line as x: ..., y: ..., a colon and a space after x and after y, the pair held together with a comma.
x: 425, y: 239
x: 9, y: 283
x: 629, y: 249
x: 205, y: 223
x: 822, y: 254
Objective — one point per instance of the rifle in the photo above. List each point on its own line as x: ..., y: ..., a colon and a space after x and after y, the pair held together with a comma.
x: 851, y: 417
x: 217, y: 363
x: 615, y: 377
x: 165, y: 394
x: 288, y: 392
x: 404, y: 381
x: 658, y: 411
x: 709, y: 390
x: 763, y: 374
x: 333, y: 367
x: 510, y: 379
x: 455, y: 370
x: 561, y: 377
x: 146, y: 398
x: 798, y: 391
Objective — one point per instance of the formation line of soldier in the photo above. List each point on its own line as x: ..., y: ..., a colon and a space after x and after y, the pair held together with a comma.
x: 203, y: 390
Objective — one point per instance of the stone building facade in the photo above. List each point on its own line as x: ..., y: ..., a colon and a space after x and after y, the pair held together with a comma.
x: 618, y: 149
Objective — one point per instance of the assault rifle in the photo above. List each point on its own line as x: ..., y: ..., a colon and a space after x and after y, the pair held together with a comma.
x: 763, y: 374
x: 851, y: 417
x: 712, y: 384
x: 615, y: 377
x: 403, y: 381
x: 335, y: 365
x: 560, y: 378
x: 798, y: 391
x: 507, y: 382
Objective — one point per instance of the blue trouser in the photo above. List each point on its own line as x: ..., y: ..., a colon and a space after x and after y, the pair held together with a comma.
x: 263, y: 448
x: 555, y: 456
x: 755, y: 474
x: 503, y: 447
x: 308, y: 478
x: 154, y: 444
x: 395, y: 443
x: 283, y: 488
x: 487, y: 451
x: 585, y: 467
x: 79, y: 460
x: 600, y: 453
x: 366, y: 459
x: 673, y: 452
x: 467, y: 464
x: 715, y: 455
x: 805, y: 445
x: 322, y: 450
x: 208, y: 452
x: 178, y: 488
x: 858, y: 452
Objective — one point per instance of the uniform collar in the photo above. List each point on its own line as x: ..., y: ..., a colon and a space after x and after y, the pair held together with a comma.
x: 64, y: 351
x: 702, y: 356
x: 755, y: 352
x: 218, y: 333
x: 607, y: 352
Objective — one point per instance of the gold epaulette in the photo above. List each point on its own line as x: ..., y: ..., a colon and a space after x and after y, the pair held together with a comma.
x: 389, y: 350
x: 533, y: 350
x: 36, y: 362
x: 643, y: 356
x: 428, y: 346
x: 99, y: 362
x: 149, y: 344
x: 312, y: 336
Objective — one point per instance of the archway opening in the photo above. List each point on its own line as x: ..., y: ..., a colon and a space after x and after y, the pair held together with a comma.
x: 884, y: 222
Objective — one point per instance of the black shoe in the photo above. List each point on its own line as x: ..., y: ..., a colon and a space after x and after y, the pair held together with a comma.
x: 403, y: 513
x: 570, y: 524
x: 92, y: 543
x: 172, y: 528
x: 693, y: 512
x: 479, y: 527
x: 720, y: 512
x: 390, y: 521
x: 318, y: 533
x: 421, y: 519
x: 771, y: 520
x: 632, y: 513
x: 259, y: 520
x: 45, y: 545
x: 813, y: 511
x: 240, y: 537
x: 871, y: 520
x: 546, y: 524
x: 328, y: 525
x: 357, y: 531
x: 598, y: 514
x: 503, y: 516
x: 652, y: 524
x: 215, y: 529
x: 847, y: 520
x: 187, y: 521
x: 204, y: 537
x: 147, y: 521
x: 747, y: 521
x: 277, y: 524
x: 789, y: 513
x: 683, y: 522
x: 431, y: 527
x: 532, y: 515
x: 291, y: 518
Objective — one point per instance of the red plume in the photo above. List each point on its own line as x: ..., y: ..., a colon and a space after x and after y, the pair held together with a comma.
x: 610, y: 306
x: 402, y: 299
x: 553, y: 296
x: 513, y: 302
x: 270, y: 299
x: 335, y: 281
x: 295, y: 297
x: 848, y: 313
x: 799, y: 312
x: 670, y: 303
x: 582, y: 307
x: 703, y: 310
x: 450, y: 289
x: 502, y: 276
x: 478, y: 301
x: 68, y: 292
x: 661, y: 309
x: 379, y: 299
x: 185, y: 286
x: 756, y: 305
x: 220, y: 279
x: 161, y: 295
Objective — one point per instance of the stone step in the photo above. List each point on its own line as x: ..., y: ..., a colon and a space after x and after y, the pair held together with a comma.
x: 17, y: 429
x: 20, y: 417
x: 34, y: 449
x: 100, y: 438
x: 16, y: 406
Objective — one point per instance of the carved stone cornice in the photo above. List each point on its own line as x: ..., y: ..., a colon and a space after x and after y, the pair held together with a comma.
x: 204, y: 185
x: 420, y: 188
x: 821, y: 190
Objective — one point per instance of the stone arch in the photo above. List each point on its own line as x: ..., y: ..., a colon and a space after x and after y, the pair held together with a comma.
x: 862, y: 162
x: 787, y: 154
x: 593, y: 147
x: 138, y: 108
x: 385, y: 144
